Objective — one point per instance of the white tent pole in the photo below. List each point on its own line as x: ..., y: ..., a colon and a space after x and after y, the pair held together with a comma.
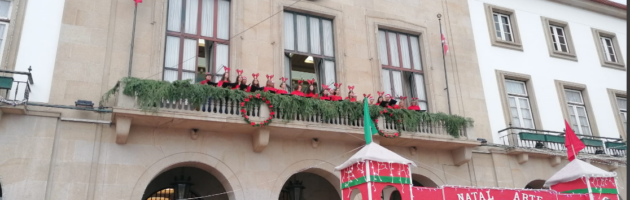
x: 369, y: 182
x: 588, y: 186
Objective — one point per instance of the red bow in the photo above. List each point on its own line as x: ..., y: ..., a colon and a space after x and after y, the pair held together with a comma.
x: 351, y: 87
x: 284, y: 80
x: 337, y: 85
x: 239, y: 71
x: 311, y: 82
x: 325, y: 86
x: 256, y: 75
x: 380, y: 93
x: 367, y: 96
x: 227, y: 69
x: 300, y: 82
x: 269, y: 77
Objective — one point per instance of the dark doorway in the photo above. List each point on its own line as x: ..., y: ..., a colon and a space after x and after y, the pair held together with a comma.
x: 185, y: 182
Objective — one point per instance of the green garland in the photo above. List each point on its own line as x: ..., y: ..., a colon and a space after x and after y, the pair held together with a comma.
x: 257, y: 99
x: 150, y: 93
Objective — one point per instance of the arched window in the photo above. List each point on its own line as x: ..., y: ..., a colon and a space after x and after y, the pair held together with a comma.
x: 422, y: 181
x: 169, y: 193
x: 536, y: 184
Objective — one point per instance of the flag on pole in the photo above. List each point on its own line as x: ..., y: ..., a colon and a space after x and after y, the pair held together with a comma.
x: 368, y: 125
x: 137, y: 1
x: 444, y: 43
x: 572, y: 142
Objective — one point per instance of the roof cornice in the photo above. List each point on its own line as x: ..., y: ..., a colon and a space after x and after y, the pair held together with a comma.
x: 600, y: 6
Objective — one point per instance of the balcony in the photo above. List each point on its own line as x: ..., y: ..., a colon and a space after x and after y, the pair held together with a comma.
x: 14, y: 94
x: 543, y: 143
x: 225, y: 114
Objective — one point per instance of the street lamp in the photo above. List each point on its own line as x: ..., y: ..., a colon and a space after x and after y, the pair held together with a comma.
x: 295, y: 188
x: 181, y: 186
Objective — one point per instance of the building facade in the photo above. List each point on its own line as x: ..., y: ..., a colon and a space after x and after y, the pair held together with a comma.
x: 54, y: 147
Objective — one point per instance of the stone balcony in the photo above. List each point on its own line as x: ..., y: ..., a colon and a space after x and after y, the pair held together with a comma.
x: 223, y: 115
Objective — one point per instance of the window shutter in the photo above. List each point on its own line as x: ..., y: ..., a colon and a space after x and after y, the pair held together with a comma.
x: 315, y: 36
x: 387, y: 87
x: 329, y: 72
x: 328, y: 38
x: 190, y: 55
x: 415, y: 53
x: 222, y: 58
x: 393, y: 49
x: 302, y: 34
x: 398, y: 87
x: 192, y: 7
x: 382, y: 47
x: 171, y: 57
x: 289, y: 35
x: 404, y: 50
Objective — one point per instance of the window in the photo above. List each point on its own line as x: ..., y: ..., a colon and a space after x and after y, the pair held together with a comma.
x: 502, y: 27
x: 309, y: 48
x: 577, y: 112
x: 401, y: 64
x: 197, y: 39
x: 559, y: 40
x: 520, y: 109
x: 622, y: 103
x: 5, y: 13
x: 608, y: 49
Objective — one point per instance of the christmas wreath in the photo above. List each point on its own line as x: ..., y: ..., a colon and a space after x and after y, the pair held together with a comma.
x: 397, y: 124
x: 258, y: 98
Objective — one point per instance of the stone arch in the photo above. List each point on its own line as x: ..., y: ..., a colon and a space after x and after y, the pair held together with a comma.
x: 208, y: 163
x: 420, y: 171
x: 421, y: 180
x: 536, y: 184
x: 391, y: 193
x: 319, y: 167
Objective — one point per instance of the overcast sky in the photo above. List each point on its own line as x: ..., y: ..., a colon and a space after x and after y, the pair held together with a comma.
x: 624, y: 2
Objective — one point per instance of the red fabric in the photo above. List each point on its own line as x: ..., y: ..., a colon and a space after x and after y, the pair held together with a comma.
x: 205, y: 82
x: 572, y: 142
x: 309, y: 95
x: 416, y: 107
x: 236, y: 87
x: 336, y: 98
x: 220, y: 83
x: 269, y: 89
x: 327, y: 98
x: 281, y: 91
x: 451, y: 193
x: 297, y: 93
x: 249, y: 88
x: 581, y: 184
x: 423, y: 193
x: 444, y: 44
x: 396, y: 106
x: 353, y: 99
x: 137, y: 1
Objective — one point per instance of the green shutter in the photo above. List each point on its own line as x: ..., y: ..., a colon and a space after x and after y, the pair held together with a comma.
x: 531, y: 136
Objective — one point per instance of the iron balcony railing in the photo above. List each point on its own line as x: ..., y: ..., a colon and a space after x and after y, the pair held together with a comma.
x: 13, y: 91
x: 554, y: 140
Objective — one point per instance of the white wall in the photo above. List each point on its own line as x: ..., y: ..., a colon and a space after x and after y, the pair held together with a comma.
x: 38, y: 45
x: 534, y: 60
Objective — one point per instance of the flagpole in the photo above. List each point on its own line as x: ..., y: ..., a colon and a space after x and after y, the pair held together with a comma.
x: 133, y: 37
x: 448, y: 98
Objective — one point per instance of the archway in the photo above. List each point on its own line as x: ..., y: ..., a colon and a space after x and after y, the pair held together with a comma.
x: 0, y: 191
x: 536, y: 184
x: 390, y: 193
x: 356, y: 195
x: 309, y: 186
x: 185, y: 182
x: 422, y: 181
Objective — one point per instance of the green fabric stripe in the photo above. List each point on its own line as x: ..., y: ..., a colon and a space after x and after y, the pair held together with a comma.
x: 380, y: 179
x: 595, y: 190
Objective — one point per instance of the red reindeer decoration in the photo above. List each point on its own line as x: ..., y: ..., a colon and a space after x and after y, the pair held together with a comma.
x: 351, y: 88
x: 338, y: 85
x: 310, y: 82
x: 380, y: 94
x: 283, y: 86
x: 269, y: 78
x: 255, y: 76
x: 325, y: 87
x: 227, y: 69
x: 239, y: 71
x: 414, y: 104
x: 284, y: 80
x: 300, y: 82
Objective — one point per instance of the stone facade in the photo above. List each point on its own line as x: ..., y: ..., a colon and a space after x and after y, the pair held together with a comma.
x: 54, y: 153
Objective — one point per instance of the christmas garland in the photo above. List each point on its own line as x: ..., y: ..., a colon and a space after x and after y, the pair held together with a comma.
x: 244, y: 110
x: 149, y: 94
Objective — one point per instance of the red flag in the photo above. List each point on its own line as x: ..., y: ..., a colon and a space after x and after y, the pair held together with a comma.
x: 137, y: 1
x: 572, y: 142
x: 444, y: 44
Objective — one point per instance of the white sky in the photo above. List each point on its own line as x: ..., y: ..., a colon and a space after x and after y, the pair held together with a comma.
x: 624, y: 2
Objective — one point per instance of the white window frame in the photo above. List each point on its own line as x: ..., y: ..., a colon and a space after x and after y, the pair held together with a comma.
x: 623, y: 113
x: 607, y: 48
x: 517, y: 98
x: 556, y: 38
x: 7, y: 22
x: 574, y: 106
x: 502, y: 25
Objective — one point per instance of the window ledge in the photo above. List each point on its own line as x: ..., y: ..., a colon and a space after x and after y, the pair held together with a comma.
x: 617, y: 66
x: 563, y: 55
x: 508, y: 45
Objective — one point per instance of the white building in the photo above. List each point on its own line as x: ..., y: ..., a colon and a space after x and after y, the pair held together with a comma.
x: 518, y: 54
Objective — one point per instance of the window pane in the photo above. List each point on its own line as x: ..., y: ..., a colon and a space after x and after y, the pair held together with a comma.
x: 573, y: 96
x: 192, y: 7
x: 207, y: 18
x: 420, y: 87
x: 222, y: 58
x: 174, y: 15
x: 516, y: 121
x: 415, y: 53
x: 515, y: 87
x: 393, y: 49
x: 223, y: 20
x: 622, y: 103
x: 328, y: 38
x: 289, y: 35
x: 573, y: 118
x: 188, y: 76
x: 404, y: 50
x: 5, y: 6
x: 382, y: 47
x: 526, y: 113
x: 302, y: 35
x: 585, y: 128
x: 170, y: 75
x: 329, y: 71
x: 387, y: 87
x: 190, y: 54
x: 398, y: 88
x: 287, y: 70
x: 3, y: 27
x: 315, y: 36
x: 171, y: 56
x: 497, y: 26
x: 423, y: 106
